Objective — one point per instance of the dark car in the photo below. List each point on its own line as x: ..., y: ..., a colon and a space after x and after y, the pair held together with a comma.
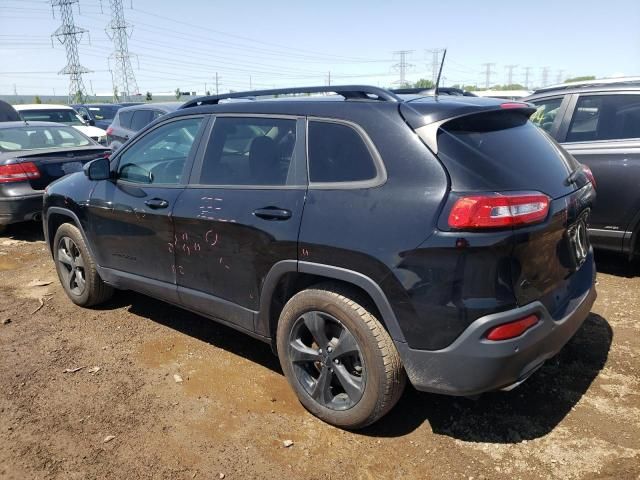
x: 129, y: 120
x: 99, y: 114
x: 32, y: 155
x: 8, y: 113
x: 367, y: 238
x: 598, y: 122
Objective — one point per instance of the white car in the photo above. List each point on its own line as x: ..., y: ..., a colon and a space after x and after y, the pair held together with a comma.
x: 64, y: 114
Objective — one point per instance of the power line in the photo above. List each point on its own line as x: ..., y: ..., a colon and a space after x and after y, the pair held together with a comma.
x: 69, y: 35
x: 124, y: 79
x: 559, y: 76
x: 487, y: 74
x: 526, y: 77
x: 544, y: 75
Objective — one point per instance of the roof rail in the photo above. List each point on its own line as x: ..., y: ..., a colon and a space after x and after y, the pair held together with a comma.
x: 591, y: 83
x: 347, y: 91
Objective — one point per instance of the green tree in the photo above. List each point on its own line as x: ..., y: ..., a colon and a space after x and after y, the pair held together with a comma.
x: 116, y: 95
x: 78, y: 97
x: 584, y: 78
x: 423, y: 83
x: 37, y: 99
x: 207, y: 93
x: 178, y: 93
x: 149, y: 97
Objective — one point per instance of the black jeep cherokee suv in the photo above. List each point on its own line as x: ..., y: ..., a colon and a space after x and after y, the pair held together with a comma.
x: 368, y: 237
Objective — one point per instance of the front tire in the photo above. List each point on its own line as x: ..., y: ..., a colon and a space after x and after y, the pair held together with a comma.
x: 77, y: 269
x: 338, y: 357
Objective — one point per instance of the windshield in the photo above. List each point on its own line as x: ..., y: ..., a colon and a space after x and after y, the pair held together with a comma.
x: 33, y: 138
x: 68, y: 117
x: 103, y: 112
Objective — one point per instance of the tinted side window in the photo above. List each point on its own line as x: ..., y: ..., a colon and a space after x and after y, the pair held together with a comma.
x: 249, y: 151
x: 337, y: 153
x: 125, y: 119
x: 141, y: 118
x: 546, y: 111
x: 160, y: 155
x: 605, y: 117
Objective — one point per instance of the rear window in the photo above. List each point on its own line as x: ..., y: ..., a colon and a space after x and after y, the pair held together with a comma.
x: 502, y: 151
x: 68, y: 117
x: 141, y: 118
x: 337, y: 153
x: 103, y: 112
x: 32, y: 138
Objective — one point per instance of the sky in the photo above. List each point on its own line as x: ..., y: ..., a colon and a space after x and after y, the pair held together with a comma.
x: 283, y: 43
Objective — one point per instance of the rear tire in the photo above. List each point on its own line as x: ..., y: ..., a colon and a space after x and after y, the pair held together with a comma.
x: 338, y: 357
x: 77, y: 268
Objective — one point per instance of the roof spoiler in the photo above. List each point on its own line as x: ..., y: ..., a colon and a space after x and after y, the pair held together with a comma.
x: 349, y: 92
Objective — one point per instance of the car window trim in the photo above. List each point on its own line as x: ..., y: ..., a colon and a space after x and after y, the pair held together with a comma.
x: 574, y: 105
x: 299, y: 157
x: 381, y: 171
x: 188, y: 162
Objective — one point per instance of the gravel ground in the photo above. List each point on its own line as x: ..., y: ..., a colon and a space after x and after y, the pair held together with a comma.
x: 123, y: 414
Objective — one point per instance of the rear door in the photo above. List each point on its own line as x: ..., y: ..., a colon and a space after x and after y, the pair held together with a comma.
x: 130, y: 222
x: 240, y: 214
x: 603, y: 132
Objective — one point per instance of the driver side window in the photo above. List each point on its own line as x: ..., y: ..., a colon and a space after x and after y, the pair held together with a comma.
x: 160, y: 155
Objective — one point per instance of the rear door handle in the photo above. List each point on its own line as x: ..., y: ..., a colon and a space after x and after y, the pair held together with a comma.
x: 156, y: 203
x: 273, y: 213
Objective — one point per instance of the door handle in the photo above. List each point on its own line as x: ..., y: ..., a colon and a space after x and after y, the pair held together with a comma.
x: 273, y: 213
x: 156, y: 203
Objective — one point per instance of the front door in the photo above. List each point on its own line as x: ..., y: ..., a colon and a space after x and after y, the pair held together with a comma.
x: 130, y: 224
x: 240, y: 214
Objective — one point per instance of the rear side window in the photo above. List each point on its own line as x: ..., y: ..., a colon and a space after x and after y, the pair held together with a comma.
x: 125, y: 119
x: 605, y: 117
x: 250, y: 151
x: 546, y: 113
x: 337, y: 153
x: 141, y: 118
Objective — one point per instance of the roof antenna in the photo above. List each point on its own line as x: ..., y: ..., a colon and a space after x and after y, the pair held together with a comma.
x: 435, y: 92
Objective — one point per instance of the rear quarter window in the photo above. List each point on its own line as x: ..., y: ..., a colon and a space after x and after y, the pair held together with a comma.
x: 125, y: 119
x: 338, y: 154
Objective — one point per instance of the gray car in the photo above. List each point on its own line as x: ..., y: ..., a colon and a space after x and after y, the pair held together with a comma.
x: 598, y: 122
x: 130, y: 120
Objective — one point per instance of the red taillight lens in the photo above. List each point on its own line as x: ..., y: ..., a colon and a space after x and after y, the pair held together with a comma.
x: 18, y: 172
x: 512, y: 329
x: 109, y: 130
x: 498, y: 210
x: 587, y: 171
x: 510, y: 105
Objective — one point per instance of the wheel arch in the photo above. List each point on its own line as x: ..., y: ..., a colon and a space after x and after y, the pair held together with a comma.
x: 56, y: 216
x: 288, y: 277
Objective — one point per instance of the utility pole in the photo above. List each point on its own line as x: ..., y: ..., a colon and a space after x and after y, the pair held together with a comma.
x: 69, y: 35
x: 402, y: 66
x: 487, y: 74
x: 559, y: 76
x: 329, y: 78
x: 15, y: 90
x: 217, y: 91
x: 526, y: 77
x: 124, y: 78
x: 545, y: 76
x: 510, y: 69
x: 435, y: 64
x: 250, y: 83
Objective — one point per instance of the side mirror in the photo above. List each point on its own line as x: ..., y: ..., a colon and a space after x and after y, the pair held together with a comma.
x: 92, y: 122
x: 98, y: 169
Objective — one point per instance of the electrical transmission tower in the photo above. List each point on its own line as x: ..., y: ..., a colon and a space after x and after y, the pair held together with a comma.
x: 69, y: 35
x: 124, y: 81
x: 402, y: 66
x: 526, y: 77
x: 487, y: 74
x: 510, y: 69
x: 435, y: 63
x: 559, y: 76
x: 545, y: 76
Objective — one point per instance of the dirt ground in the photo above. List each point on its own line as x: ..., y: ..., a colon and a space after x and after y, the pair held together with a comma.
x: 578, y: 417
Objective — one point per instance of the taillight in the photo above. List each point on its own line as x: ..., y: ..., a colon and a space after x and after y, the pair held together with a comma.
x: 498, y: 210
x: 512, y: 329
x: 109, y: 130
x: 18, y: 172
x: 587, y: 171
x: 510, y: 105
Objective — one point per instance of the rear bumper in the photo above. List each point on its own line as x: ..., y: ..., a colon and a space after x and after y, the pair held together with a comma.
x: 472, y: 364
x: 20, y: 208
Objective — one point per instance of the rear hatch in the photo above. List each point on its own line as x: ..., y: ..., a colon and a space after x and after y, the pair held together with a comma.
x: 493, y: 151
x: 56, y: 163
